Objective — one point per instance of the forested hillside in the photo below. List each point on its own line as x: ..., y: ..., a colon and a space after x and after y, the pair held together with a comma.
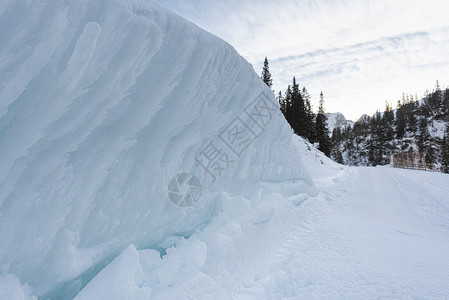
x: 417, y: 126
x: 414, y: 126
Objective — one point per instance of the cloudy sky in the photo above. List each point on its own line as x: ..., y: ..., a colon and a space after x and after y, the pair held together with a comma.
x: 360, y: 53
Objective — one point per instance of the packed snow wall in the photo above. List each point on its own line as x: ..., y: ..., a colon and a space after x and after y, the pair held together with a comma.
x: 102, y: 105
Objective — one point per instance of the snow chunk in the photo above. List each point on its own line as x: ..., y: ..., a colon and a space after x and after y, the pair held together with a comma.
x: 11, y: 288
x: 121, y: 279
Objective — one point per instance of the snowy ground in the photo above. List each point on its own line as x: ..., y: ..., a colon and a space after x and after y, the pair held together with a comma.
x: 371, y: 233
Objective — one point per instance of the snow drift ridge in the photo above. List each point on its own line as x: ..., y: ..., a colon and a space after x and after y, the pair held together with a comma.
x: 101, y: 104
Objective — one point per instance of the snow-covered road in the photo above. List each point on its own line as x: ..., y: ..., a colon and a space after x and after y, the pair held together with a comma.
x: 374, y: 233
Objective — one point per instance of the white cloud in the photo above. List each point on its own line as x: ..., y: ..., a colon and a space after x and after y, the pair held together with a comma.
x: 359, y: 53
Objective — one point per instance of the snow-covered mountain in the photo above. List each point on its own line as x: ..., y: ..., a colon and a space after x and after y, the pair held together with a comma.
x: 335, y: 120
x: 104, y: 107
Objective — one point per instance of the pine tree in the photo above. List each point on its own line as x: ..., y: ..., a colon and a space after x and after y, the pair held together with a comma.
x: 266, y: 75
x: 371, y: 153
x: 430, y: 156
x: 336, y: 142
x: 378, y: 141
x: 322, y: 132
x: 445, y: 151
x: 299, y: 123
x: 338, y: 157
x: 412, y: 122
x: 400, y: 121
x: 281, y: 102
x: 288, y: 106
x: 309, y: 115
x: 388, y: 122
x: 296, y: 106
x: 436, y: 99
x: 446, y: 102
x: 424, y: 135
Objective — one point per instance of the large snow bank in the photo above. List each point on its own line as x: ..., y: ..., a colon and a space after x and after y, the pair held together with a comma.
x: 369, y: 233
x: 102, y: 103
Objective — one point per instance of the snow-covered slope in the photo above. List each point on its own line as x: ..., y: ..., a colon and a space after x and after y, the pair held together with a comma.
x: 102, y: 103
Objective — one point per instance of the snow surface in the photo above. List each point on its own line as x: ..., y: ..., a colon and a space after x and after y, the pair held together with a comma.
x: 102, y: 103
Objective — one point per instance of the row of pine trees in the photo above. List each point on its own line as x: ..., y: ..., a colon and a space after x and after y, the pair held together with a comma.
x: 297, y: 109
x: 371, y: 140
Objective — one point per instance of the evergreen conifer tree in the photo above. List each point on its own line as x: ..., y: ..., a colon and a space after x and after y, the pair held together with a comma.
x: 436, y: 99
x: 288, y: 106
x: 281, y: 102
x: 430, y: 156
x: 388, y: 122
x: 412, y: 122
x: 378, y: 140
x: 446, y: 103
x: 322, y: 132
x: 266, y: 75
x: 445, y: 151
x: 336, y: 142
x: 299, y: 122
x: 309, y: 115
x: 400, y: 121
x: 424, y: 135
